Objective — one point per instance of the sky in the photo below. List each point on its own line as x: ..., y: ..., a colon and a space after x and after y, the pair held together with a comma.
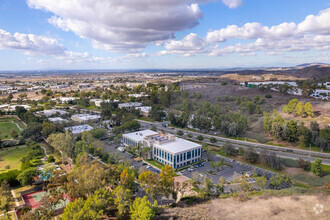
x: 162, y: 34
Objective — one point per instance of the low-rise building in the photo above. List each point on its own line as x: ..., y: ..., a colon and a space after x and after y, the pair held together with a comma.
x: 97, y: 102
x: 129, y: 105
x: 57, y: 120
x: 85, y: 117
x: 174, y: 151
x: 51, y: 112
x: 145, y: 110
x: 165, y: 148
x: 79, y: 129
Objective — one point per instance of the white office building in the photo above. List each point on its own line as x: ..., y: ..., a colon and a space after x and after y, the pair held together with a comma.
x: 57, y: 120
x: 51, y: 112
x: 165, y: 148
x: 85, y: 117
x: 174, y: 151
x: 129, y: 105
x: 79, y: 129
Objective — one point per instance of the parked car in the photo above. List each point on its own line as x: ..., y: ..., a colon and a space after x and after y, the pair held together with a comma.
x: 196, y: 166
x: 148, y: 166
x: 143, y: 164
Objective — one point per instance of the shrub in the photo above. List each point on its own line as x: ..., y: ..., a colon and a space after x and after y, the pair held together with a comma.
x: 268, y: 96
x: 304, y: 164
x: 190, y: 135
x: 51, y: 159
x: 213, y: 140
x: 200, y: 137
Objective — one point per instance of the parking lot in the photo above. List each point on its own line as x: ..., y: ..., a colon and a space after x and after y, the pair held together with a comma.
x: 234, y: 170
x: 126, y: 156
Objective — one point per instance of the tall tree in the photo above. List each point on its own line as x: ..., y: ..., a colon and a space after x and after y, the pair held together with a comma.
x: 142, y: 209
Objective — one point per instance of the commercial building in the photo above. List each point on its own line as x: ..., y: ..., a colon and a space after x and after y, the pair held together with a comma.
x: 98, y: 102
x: 57, y: 120
x: 174, y: 151
x: 85, y: 117
x: 79, y: 128
x: 135, y: 138
x: 129, y: 105
x: 51, y: 112
x: 165, y: 148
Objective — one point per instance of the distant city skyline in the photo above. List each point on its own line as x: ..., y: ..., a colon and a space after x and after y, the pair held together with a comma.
x: 162, y: 34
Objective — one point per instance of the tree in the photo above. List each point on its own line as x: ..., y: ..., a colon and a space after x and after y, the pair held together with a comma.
x: 293, y: 130
x: 106, y: 110
x: 167, y: 179
x: 142, y: 209
x: 304, y: 164
x: 262, y: 182
x: 317, y: 167
x: 200, y: 137
x: 299, y: 110
x: 309, y: 110
x: 241, y: 151
x: 251, y: 155
x: 48, y: 128
x: 26, y: 177
x: 127, y: 179
x: 220, y: 187
x: 64, y: 143
x: 229, y: 149
x: 179, y: 133
x: 273, y: 161
x: 51, y: 159
x: 213, y: 140
x: 206, y: 188
x: 150, y: 182
x: 267, y: 122
x: 13, y: 133
x: 33, y: 131
x: 122, y: 199
x: 291, y: 107
x: 157, y: 113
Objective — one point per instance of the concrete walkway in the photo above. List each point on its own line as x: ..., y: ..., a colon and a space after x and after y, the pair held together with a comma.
x: 14, y: 196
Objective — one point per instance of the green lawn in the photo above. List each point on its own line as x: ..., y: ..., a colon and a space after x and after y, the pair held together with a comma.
x: 7, y: 124
x: 155, y: 163
x: 12, y: 156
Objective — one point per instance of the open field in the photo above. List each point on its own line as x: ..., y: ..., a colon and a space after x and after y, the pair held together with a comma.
x: 12, y: 156
x: 295, y: 207
x: 7, y: 124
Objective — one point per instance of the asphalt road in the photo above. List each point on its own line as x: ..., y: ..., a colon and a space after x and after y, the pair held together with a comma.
x: 282, y: 152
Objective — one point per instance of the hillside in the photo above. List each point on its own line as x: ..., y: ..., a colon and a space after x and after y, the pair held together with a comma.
x: 295, y: 207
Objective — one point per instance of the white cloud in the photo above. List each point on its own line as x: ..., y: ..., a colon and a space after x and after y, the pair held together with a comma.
x: 232, y: 3
x: 30, y: 43
x: 319, y: 24
x: 122, y: 25
x: 312, y: 33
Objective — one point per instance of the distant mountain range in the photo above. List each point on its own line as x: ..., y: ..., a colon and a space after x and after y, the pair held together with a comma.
x: 305, y: 70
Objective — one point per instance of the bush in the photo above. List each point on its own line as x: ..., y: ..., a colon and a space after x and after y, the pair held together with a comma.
x: 268, y: 96
x: 317, y: 168
x: 51, y: 159
x: 200, y: 137
x: 213, y: 140
x: 190, y: 135
x: 179, y: 133
x: 304, y: 164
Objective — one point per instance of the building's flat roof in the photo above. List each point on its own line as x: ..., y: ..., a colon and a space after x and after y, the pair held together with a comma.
x: 178, y: 145
x: 79, y: 128
x: 86, y: 116
x: 130, y: 104
x: 139, y: 135
x: 144, y: 108
x: 56, y: 119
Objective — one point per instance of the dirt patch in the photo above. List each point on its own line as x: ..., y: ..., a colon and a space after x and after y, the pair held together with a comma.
x: 301, y: 207
x: 294, y: 171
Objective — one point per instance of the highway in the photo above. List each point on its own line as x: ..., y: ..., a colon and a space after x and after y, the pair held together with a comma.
x: 283, y: 152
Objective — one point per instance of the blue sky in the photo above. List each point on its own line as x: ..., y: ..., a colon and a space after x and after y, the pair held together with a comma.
x: 175, y: 34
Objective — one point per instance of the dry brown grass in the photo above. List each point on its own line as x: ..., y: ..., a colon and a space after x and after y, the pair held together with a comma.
x: 256, y: 208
